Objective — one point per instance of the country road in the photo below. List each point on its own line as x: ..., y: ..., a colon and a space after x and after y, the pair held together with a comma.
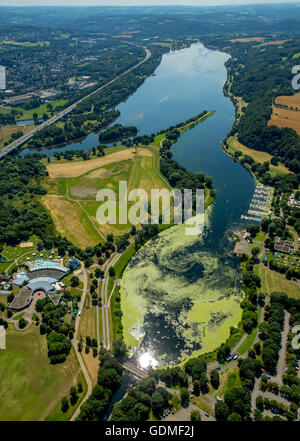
x: 23, y: 139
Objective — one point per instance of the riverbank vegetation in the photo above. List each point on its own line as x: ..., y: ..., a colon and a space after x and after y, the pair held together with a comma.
x: 259, y: 74
x: 98, y: 111
x: 109, y: 380
x: 145, y: 401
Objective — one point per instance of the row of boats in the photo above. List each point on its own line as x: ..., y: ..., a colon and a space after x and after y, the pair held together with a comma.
x: 260, y: 205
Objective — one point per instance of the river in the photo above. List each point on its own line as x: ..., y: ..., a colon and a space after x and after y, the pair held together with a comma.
x: 181, y: 294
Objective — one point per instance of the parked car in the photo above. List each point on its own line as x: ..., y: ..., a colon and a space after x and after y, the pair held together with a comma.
x: 219, y: 399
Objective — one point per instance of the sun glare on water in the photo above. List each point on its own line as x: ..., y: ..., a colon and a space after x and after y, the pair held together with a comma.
x: 146, y: 360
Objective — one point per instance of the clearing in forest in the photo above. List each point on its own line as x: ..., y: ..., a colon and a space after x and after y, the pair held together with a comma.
x: 286, y: 112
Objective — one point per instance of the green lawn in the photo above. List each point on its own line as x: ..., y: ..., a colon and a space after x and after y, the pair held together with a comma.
x: 248, y: 343
x: 12, y: 253
x: 58, y: 415
x: 229, y: 379
x: 28, y: 114
x: 32, y: 387
x: 273, y: 281
x: 123, y: 261
x: 160, y: 137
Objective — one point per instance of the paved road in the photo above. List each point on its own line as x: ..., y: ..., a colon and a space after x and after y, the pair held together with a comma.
x: 78, y: 354
x: 22, y: 140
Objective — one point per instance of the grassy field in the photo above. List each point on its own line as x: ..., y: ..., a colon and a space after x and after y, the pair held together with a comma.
x: 258, y: 156
x: 13, y: 253
x: 159, y: 138
x: 57, y: 415
x: 32, y: 387
x: 229, y: 379
x: 273, y: 281
x: 71, y: 221
x: 246, y: 40
x: 88, y: 320
x: 7, y: 131
x: 78, y: 168
x: 28, y: 114
x: 73, y: 187
x: 26, y: 43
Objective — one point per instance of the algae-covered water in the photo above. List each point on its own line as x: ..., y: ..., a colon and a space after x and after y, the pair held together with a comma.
x: 181, y: 294
x: 177, y: 298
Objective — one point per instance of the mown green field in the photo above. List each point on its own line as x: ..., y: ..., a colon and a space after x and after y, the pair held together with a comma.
x: 28, y: 114
x: 272, y: 281
x: 30, y: 387
x: 72, y: 200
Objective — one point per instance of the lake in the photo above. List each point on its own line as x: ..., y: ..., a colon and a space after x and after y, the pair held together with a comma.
x: 181, y: 294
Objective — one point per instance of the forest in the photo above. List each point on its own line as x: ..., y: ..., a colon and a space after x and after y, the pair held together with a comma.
x: 259, y: 73
x: 21, y: 215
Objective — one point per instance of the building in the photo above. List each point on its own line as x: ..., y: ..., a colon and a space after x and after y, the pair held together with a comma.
x: 286, y: 246
x: 43, y: 276
x: 20, y: 99
x: 293, y: 202
x: 2, y: 78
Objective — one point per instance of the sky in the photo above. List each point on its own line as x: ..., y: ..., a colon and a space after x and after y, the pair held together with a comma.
x: 136, y: 2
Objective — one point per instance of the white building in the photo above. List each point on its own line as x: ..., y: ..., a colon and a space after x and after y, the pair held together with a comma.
x: 2, y: 78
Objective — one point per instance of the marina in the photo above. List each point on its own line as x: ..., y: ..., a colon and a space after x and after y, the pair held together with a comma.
x: 260, y: 205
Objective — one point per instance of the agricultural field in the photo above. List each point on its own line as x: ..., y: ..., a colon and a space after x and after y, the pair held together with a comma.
x: 26, y: 43
x: 286, y: 112
x: 257, y: 155
x: 32, y: 387
x: 74, y: 185
x: 246, y: 40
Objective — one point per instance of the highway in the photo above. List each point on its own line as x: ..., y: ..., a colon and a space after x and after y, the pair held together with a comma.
x: 23, y: 139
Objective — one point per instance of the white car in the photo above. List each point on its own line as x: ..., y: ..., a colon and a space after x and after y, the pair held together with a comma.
x: 79, y: 312
x: 219, y: 399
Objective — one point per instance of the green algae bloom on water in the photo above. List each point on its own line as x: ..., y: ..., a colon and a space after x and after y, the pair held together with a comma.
x: 179, y: 300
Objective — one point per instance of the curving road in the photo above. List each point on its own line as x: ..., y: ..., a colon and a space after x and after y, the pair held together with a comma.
x: 23, y: 139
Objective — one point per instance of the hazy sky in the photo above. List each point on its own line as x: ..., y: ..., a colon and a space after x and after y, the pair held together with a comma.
x: 135, y: 2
